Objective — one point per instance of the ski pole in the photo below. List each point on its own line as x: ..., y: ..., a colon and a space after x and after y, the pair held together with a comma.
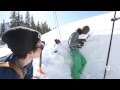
x: 113, y: 19
x: 40, y: 64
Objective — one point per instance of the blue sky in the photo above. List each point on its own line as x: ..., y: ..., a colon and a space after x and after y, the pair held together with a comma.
x: 63, y: 17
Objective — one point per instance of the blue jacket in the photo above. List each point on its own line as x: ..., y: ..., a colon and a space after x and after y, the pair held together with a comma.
x: 7, y: 73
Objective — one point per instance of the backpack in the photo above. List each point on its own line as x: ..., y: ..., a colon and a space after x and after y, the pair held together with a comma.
x: 12, y: 66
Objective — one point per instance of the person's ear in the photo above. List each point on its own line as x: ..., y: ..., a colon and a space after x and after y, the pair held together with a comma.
x: 30, y: 54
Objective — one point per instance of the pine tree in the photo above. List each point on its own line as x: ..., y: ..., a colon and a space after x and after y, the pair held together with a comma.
x: 32, y: 23
x: 3, y: 29
x: 38, y: 27
x: 13, y: 18
x: 0, y: 30
x: 18, y: 19
x: 27, y: 19
x: 21, y: 21
x: 45, y: 27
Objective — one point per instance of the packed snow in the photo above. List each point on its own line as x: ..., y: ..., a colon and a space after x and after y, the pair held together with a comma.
x: 58, y: 65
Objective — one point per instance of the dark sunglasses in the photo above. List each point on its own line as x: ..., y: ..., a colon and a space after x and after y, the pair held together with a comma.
x: 42, y: 45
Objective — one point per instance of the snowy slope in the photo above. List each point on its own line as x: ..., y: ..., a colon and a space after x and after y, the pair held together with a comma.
x: 58, y: 65
x: 4, y: 50
x: 95, y: 50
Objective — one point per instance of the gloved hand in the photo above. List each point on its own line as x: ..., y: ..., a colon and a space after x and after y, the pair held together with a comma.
x: 81, y: 41
x: 39, y: 76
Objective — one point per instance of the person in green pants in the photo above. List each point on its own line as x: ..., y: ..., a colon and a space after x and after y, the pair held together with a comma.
x: 79, y: 61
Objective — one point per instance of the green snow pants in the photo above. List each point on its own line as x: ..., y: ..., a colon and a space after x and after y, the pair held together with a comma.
x: 79, y: 63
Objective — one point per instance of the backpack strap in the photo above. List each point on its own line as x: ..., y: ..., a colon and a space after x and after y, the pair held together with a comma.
x: 14, y: 67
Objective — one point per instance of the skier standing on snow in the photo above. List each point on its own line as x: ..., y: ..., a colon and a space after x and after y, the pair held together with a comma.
x: 79, y: 61
x: 26, y: 44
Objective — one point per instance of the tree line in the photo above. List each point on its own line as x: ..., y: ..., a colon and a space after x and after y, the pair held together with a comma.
x: 17, y: 20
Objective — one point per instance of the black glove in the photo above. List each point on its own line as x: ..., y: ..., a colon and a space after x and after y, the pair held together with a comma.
x: 81, y: 41
x: 79, y: 46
